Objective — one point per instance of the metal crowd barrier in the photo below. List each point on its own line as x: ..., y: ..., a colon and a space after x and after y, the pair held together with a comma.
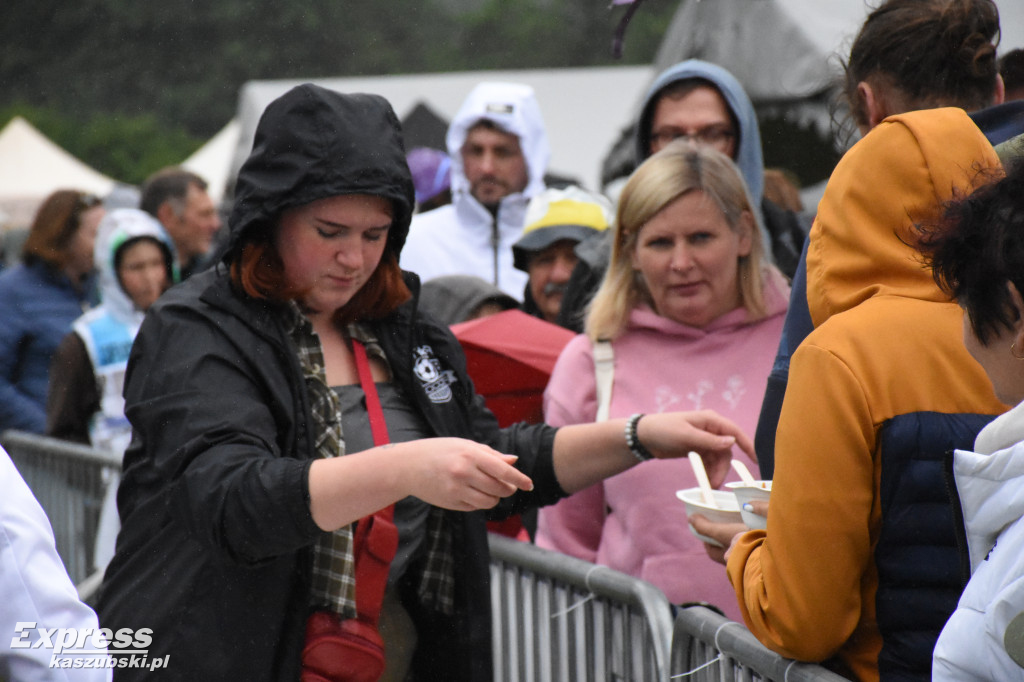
x: 557, y: 618
x: 70, y: 481
x: 707, y: 647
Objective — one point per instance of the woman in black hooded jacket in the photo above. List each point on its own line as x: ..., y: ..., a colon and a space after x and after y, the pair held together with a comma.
x: 242, y: 388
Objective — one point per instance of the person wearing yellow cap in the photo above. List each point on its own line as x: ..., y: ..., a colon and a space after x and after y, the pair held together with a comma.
x: 556, y: 221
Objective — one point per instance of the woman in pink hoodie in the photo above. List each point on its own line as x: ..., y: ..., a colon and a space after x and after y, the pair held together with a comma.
x: 692, y: 315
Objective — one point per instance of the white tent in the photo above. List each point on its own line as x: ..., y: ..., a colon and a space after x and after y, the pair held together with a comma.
x: 584, y: 109
x: 212, y: 161
x: 785, y: 50
x: 32, y: 167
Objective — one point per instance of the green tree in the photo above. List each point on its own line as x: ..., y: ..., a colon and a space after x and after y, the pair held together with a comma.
x: 128, y: 85
x: 127, y: 148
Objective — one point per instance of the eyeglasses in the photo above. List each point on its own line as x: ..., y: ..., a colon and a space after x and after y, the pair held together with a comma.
x: 717, y: 136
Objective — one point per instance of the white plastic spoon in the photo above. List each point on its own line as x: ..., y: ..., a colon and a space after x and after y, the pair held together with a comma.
x: 741, y: 469
x: 702, y: 479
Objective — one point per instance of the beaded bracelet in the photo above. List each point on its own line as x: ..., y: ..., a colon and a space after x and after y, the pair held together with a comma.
x: 633, y: 441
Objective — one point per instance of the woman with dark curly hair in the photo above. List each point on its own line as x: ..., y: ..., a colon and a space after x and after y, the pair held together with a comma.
x: 977, y: 257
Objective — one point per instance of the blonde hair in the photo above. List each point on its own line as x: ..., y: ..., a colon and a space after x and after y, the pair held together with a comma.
x: 679, y: 168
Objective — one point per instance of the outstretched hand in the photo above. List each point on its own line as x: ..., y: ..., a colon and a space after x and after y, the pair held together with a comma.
x: 453, y: 473
x: 463, y: 475
x: 675, y: 434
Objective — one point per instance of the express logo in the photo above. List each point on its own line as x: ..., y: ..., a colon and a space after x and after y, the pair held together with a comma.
x: 90, y: 647
x: 436, y: 382
x: 62, y: 639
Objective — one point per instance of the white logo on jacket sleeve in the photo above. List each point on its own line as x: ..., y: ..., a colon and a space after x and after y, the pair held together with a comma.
x: 436, y: 382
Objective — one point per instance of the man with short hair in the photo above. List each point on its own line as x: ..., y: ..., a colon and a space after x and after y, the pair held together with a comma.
x: 692, y: 108
x: 179, y: 200
x: 705, y: 103
x: 556, y: 221
x: 499, y: 152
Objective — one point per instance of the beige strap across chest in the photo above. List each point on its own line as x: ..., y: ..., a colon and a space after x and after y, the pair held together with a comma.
x: 604, y: 371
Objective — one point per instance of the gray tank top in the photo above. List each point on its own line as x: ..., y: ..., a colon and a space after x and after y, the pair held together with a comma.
x: 404, y: 424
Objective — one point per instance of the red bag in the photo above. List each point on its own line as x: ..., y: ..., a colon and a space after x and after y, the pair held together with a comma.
x: 341, y: 650
x: 352, y: 650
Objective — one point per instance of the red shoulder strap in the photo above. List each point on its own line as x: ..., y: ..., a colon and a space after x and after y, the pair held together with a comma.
x: 376, y: 538
x: 377, y: 424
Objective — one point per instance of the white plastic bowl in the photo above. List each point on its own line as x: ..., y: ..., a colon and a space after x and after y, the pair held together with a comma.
x: 727, y: 510
x: 745, y: 493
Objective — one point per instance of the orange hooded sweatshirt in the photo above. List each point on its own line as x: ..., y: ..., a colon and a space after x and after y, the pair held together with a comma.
x: 887, y: 342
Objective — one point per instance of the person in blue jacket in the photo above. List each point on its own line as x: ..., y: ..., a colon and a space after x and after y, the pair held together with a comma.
x: 40, y: 298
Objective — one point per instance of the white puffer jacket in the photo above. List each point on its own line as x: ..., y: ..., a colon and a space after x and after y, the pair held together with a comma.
x: 990, y: 483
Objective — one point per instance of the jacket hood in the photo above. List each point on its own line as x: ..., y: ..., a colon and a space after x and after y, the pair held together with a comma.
x: 453, y: 298
x: 748, y: 150
x: 513, y: 108
x: 117, y: 228
x: 312, y: 143
x: 899, y: 174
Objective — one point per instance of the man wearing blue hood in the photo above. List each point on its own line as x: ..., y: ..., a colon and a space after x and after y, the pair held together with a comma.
x: 707, y: 105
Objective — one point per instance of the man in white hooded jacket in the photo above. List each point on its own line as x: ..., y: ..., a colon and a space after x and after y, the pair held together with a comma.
x: 499, y: 151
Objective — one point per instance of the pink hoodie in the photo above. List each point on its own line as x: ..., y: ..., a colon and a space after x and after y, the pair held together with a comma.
x: 660, y: 366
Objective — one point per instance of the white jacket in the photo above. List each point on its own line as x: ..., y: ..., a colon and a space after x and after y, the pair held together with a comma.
x: 35, y: 590
x: 990, y: 483
x: 463, y: 238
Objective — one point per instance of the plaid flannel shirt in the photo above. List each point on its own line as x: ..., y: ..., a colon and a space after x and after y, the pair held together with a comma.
x: 333, y: 586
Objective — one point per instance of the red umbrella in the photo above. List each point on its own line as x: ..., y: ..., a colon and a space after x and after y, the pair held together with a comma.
x: 510, y: 356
